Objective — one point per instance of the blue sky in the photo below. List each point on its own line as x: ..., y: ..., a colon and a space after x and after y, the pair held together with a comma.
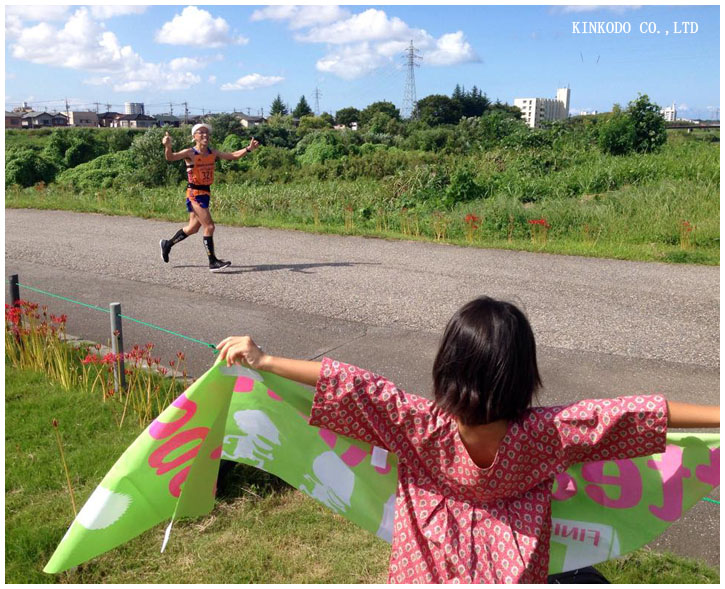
x: 239, y: 57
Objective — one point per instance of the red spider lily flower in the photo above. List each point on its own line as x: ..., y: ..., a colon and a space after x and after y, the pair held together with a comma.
x: 149, y: 346
x: 91, y: 359
x: 163, y: 370
x: 172, y: 363
x: 471, y: 218
x: 110, y: 358
x: 180, y: 355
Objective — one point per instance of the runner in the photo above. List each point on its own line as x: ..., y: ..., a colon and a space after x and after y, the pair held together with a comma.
x: 200, y: 171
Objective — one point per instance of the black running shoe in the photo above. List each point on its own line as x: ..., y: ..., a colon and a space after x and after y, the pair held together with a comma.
x: 165, y: 249
x: 218, y: 265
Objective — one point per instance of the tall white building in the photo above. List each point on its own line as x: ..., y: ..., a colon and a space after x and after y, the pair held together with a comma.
x: 133, y: 108
x: 537, y: 110
x: 669, y: 112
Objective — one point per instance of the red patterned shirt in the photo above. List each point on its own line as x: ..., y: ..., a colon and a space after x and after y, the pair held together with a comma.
x: 455, y: 521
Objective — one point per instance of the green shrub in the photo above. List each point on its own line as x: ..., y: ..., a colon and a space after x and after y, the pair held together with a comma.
x: 99, y: 173
x: 320, y: 146
x: 617, y: 135
x: 26, y: 167
x: 462, y: 188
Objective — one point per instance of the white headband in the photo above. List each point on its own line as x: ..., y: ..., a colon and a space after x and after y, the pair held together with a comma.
x: 198, y: 126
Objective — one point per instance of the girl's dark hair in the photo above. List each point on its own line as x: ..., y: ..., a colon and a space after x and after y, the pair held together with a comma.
x: 485, y: 369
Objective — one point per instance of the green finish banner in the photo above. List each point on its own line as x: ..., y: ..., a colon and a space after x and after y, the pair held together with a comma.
x: 599, y: 510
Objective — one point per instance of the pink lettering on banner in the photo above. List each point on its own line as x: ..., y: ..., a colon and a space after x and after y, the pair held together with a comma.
x: 710, y: 473
x: 160, y: 430
x: 565, y: 487
x: 156, y: 460
x: 216, y: 454
x: 244, y: 384
x: 274, y: 395
x: 629, y: 482
x: 177, y: 480
x: 672, y: 472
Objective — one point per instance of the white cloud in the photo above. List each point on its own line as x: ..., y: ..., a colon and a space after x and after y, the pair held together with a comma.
x: 371, y: 25
x: 44, y: 13
x: 352, y: 62
x: 300, y: 17
x: 198, y: 27
x: 187, y: 63
x: 211, y: 80
x: 85, y: 44
x: 102, y: 12
x: 361, y: 43
x: 252, y: 82
x: 451, y: 49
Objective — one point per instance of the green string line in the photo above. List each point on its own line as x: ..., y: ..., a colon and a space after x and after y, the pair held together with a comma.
x: 212, y: 346
x: 50, y: 294
x: 198, y: 341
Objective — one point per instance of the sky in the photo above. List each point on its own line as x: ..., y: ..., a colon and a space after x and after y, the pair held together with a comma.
x: 224, y: 58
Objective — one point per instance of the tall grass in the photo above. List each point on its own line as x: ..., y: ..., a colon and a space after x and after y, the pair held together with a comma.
x: 616, y: 206
x: 35, y: 340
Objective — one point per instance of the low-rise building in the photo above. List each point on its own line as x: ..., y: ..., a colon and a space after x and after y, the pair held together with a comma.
x: 137, y: 121
x: 537, y: 110
x: 13, y: 120
x: 249, y: 121
x: 78, y: 118
x: 165, y: 120
x: 36, y: 120
x: 106, y: 118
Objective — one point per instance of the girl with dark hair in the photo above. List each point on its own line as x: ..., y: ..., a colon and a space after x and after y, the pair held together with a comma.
x: 476, y: 466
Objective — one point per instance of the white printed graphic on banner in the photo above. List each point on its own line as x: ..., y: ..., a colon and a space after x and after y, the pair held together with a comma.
x: 259, y: 436
x: 332, y: 481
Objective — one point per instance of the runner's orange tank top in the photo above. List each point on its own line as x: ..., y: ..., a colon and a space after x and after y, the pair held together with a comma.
x: 200, y: 172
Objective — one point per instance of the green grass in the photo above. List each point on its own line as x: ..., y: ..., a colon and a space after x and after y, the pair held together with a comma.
x: 261, y: 529
x: 627, y: 207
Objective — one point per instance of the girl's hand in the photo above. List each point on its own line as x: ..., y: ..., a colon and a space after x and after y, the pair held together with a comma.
x: 242, y: 350
x: 253, y: 143
x: 166, y: 141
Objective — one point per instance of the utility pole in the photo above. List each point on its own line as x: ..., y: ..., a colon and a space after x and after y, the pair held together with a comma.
x: 186, y: 113
x: 317, y: 101
x: 97, y: 105
x: 66, y: 107
x: 108, y: 107
x: 409, y: 98
x: 171, y: 109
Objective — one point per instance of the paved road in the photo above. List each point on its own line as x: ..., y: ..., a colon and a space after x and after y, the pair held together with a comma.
x: 603, y: 327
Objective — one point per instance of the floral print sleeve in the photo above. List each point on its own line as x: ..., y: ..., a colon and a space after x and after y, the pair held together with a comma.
x: 611, y: 429
x: 365, y: 406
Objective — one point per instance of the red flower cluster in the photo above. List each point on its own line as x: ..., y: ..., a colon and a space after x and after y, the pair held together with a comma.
x: 108, y: 359
x: 686, y: 227
x: 541, y: 222
x: 472, y: 221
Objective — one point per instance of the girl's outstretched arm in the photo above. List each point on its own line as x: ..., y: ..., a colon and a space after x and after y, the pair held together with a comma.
x: 243, y: 350
x: 687, y: 415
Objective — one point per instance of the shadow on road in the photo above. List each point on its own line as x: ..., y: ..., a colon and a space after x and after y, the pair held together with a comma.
x: 302, y: 268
